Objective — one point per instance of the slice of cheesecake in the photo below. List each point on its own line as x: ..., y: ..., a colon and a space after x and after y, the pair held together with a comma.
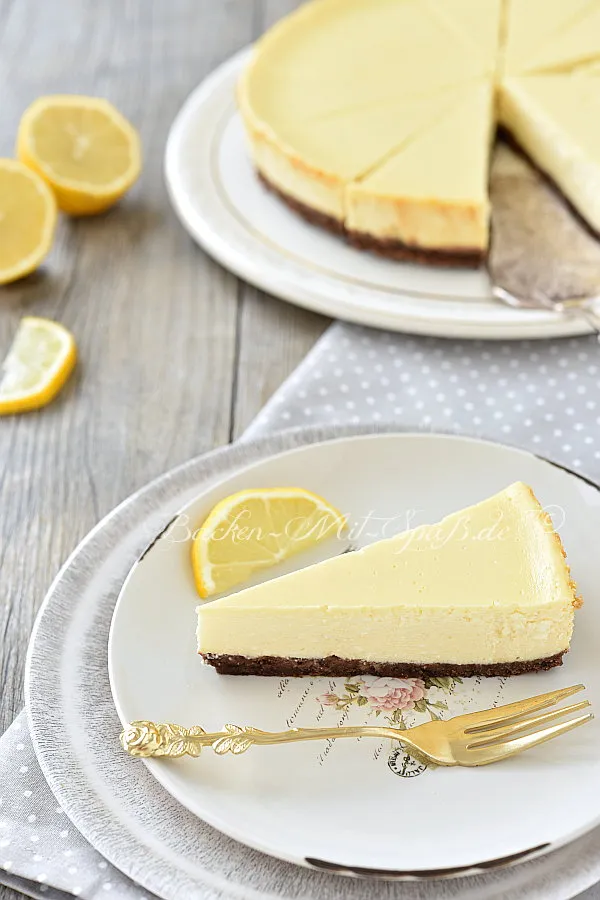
x: 421, y: 199
x: 555, y: 118
x: 310, y: 163
x: 486, y: 591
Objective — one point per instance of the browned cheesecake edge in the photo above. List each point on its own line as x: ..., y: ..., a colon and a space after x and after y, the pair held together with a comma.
x: 390, y: 248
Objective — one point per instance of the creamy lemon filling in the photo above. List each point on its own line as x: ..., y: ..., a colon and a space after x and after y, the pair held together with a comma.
x: 396, y: 634
x: 333, y: 55
x: 550, y: 117
x: 424, y: 200
x: 486, y: 585
x: 532, y: 25
x: 572, y: 45
x: 476, y: 24
x: 322, y: 160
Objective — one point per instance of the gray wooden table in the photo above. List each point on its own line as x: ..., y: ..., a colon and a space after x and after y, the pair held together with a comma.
x: 177, y: 355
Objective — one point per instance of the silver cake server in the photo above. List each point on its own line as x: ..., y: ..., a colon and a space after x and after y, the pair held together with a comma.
x: 542, y: 256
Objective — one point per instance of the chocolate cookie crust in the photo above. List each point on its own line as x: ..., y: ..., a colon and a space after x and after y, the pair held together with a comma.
x: 336, y: 666
x: 459, y: 257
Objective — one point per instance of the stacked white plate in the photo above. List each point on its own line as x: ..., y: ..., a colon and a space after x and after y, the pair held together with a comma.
x: 300, y: 816
x: 222, y: 204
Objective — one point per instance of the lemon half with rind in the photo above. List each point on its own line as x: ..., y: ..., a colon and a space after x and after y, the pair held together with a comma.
x: 83, y: 148
x: 39, y: 362
x: 255, y: 529
x: 28, y: 216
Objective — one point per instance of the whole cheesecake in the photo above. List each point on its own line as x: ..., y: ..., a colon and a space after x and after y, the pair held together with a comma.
x: 486, y: 591
x: 376, y: 118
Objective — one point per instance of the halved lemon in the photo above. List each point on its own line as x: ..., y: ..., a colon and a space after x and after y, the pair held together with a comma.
x: 253, y: 530
x: 83, y: 147
x: 27, y: 220
x: 40, y: 360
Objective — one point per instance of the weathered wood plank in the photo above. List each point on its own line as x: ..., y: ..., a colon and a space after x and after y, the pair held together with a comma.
x: 155, y: 320
x: 275, y: 9
x: 263, y: 363
x: 176, y: 355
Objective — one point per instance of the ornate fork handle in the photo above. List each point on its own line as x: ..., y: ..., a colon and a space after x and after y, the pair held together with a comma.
x: 146, y: 739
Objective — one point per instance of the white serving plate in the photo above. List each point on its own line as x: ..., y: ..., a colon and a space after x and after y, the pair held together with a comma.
x: 120, y: 807
x: 224, y: 207
x: 363, y: 806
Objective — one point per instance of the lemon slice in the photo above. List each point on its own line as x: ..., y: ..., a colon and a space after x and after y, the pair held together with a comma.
x: 39, y: 362
x: 253, y: 530
x: 83, y: 147
x: 27, y: 220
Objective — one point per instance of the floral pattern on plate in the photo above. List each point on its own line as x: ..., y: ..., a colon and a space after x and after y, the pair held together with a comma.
x: 398, y: 699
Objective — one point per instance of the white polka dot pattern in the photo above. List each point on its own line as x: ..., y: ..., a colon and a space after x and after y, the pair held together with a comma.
x: 41, y: 853
x: 543, y: 396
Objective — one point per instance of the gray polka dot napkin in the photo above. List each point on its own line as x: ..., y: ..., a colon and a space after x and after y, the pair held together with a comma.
x: 544, y: 396
x: 540, y: 395
x: 41, y: 853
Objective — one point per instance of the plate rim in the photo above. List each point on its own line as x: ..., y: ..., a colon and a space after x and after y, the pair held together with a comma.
x: 197, y: 472
x: 276, y: 281
x: 161, y: 774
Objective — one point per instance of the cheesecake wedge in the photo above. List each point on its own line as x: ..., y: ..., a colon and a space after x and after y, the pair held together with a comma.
x: 420, y: 202
x: 554, y: 119
x: 486, y: 591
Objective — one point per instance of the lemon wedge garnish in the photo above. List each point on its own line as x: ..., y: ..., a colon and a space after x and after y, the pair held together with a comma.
x: 255, y: 529
x: 40, y: 360
x: 27, y: 220
x: 83, y: 147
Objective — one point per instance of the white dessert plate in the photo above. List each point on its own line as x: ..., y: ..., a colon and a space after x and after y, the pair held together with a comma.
x: 220, y: 201
x: 364, y: 807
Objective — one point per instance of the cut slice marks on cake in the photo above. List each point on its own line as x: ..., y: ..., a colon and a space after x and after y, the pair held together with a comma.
x: 533, y: 24
x: 476, y: 23
x: 343, y: 146
x: 351, y: 142
x: 575, y: 44
x: 451, y: 187
x: 308, y: 65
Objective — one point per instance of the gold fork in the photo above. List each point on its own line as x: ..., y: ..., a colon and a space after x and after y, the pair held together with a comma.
x: 474, y: 739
